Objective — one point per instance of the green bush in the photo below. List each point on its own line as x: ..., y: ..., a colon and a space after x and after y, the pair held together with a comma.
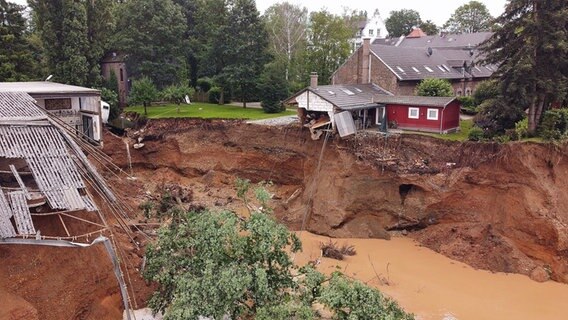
x: 488, y: 89
x: 475, y: 134
x: 522, y: 129
x: 215, y: 95
x: 467, y: 105
x: 433, y: 87
x: 554, y: 125
x: 204, y: 84
x: 111, y: 97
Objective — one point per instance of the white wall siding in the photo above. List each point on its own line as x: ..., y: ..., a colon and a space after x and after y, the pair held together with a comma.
x: 315, y: 103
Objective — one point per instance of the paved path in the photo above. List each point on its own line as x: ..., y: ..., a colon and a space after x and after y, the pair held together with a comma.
x: 280, y: 121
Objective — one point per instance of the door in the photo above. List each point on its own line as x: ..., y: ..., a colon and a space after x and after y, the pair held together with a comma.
x: 88, y: 127
x: 381, y: 118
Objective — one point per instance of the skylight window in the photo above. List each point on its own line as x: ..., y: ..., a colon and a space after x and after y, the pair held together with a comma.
x: 330, y: 92
x: 442, y: 69
x: 400, y: 69
x: 488, y: 68
x: 348, y: 92
x: 477, y: 68
x: 415, y: 69
x: 358, y: 90
x: 446, y: 67
x: 428, y: 69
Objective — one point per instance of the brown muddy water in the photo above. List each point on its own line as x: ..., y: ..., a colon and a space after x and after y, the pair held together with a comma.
x: 434, y: 287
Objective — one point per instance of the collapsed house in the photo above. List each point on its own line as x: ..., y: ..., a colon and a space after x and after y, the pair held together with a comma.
x: 350, y: 108
x: 38, y: 175
x: 46, y: 183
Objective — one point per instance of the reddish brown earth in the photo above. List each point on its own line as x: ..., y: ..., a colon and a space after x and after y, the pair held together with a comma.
x: 500, y: 207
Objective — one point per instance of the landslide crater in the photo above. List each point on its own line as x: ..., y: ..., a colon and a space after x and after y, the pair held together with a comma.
x: 501, y: 207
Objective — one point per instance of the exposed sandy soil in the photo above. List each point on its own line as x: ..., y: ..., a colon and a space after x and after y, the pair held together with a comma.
x: 495, y: 207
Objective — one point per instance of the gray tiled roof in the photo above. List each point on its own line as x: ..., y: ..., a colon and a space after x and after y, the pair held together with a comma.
x: 415, y: 100
x: 463, y: 40
x: 20, y: 106
x: 416, y: 64
x: 349, y: 95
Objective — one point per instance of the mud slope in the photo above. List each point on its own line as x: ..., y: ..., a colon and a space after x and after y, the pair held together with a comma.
x: 497, y: 207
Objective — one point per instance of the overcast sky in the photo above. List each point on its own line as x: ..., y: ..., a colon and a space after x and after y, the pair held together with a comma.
x: 436, y: 10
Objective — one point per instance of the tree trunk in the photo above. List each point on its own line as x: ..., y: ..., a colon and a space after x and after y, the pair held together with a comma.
x: 222, y: 97
x: 244, y: 96
x: 145, y: 111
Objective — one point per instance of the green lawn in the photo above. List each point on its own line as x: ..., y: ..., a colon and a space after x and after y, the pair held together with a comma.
x: 207, y: 111
x: 462, y: 135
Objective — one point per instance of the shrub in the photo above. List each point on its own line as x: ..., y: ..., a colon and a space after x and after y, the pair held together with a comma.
x: 214, y: 95
x: 204, y: 84
x: 435, y: 88
x: 467, y: 105
x: 497, y: 115
x: 475, y: 134
x: 488, y: 89
x: 522, y: 129
x: 554, y: 125
x: 273, y: 88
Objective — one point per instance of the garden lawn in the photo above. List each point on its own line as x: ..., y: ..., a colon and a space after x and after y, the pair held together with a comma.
x: 462, y: 135
x: 207, y: 111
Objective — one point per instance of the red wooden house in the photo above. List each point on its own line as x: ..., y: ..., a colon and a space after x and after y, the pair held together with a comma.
x: 430, y: 114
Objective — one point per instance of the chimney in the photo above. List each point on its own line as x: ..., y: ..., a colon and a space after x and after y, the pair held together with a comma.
x: 314, y: 80
x: 365, y: 72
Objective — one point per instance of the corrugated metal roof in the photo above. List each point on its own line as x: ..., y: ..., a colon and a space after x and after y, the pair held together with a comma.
x: 19, y: 106
x: 45, y: 87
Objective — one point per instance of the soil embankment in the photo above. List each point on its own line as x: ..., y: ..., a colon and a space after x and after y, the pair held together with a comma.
x: 499, y: 207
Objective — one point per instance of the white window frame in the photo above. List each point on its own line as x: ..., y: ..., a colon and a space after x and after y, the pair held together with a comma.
x: 432, y: 118
x: 410, y: 116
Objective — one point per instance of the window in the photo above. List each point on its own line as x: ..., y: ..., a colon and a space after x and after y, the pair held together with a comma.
x: 348, y: 92
x: 57, y: 104
x: 371, y: 32
x: 468, y: 92
x: 415, y: 69
x: 400, y: 69
x: 459, y: 93
x: 446, y: 67
x: 442, y: 69
x: 428, y: 69
x: 413, y: 113
x: 432, y: 114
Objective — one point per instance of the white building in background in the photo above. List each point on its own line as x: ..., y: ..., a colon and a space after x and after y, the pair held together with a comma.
x: 373, y: 28
x: 78, y: 107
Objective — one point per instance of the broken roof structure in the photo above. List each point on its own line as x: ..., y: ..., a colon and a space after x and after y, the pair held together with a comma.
x: 37, y: 170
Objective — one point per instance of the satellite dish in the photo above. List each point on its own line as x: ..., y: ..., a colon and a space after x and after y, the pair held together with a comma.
x: 49, y: 77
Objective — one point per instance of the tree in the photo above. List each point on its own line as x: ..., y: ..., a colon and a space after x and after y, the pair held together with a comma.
x: 328, y: 44
x: 246, y: 41
x: 74, y: 35
x: 401, y: 22
x: 111, y: 97
x: 530, y: 49
x: 16, y: 60
x: 62, y: 26
x: 488, y: 89
x: 151, y: 33
x: 176, y: 94
x: 218, y: 264
x: 143, y: 92
x: 287, y: 27
x: 273, y: 88
x: 429, y: 27
x: 435, y: 88
x: 469, y: 18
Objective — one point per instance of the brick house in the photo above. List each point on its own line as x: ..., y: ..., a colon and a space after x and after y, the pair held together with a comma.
x: 114, y: 63
x: 398, y: 65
